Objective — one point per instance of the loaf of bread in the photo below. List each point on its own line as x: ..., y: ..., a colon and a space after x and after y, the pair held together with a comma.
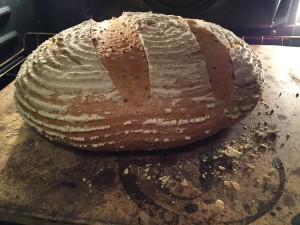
x: 143, y: 81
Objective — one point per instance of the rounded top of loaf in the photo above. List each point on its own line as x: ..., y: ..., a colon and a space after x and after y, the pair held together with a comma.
x: 142, y: 81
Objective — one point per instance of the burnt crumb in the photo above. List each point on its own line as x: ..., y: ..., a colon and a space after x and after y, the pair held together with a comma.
x: 271, y: 112
x: 125, y: 99
x: 69, y: 184
x: 209, y: 163
x: 272, y: 213
x: 247, y: 208
x: 146, y: 88
x: 191, y: 208
x: 297, y: 95
x: 279, y: 94
x: 214, y: 68
x: 215, y: 169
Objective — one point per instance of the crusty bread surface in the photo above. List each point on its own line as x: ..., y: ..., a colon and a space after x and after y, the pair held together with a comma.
x: 142, y: 81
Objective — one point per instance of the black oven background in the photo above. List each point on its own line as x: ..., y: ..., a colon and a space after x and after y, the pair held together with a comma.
x: 244, y: 17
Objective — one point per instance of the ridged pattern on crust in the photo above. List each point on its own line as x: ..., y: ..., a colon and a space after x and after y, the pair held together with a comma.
x: 175, y: 64
x: 246, y: 65
x: 62, y: 67
x: 55, y: 75
x: 247, y: 69
x: 65, y: 88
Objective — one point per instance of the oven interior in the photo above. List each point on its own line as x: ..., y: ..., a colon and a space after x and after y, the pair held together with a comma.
x: 24, y: 24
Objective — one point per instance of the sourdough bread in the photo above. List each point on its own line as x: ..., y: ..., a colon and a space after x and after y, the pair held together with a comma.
x: 142, y: 81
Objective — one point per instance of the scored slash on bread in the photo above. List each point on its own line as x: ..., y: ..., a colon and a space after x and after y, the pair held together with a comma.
x: 142, y: 81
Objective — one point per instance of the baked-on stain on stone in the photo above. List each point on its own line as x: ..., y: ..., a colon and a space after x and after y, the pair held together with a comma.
x: 104, y: 179
x: 296, y: 172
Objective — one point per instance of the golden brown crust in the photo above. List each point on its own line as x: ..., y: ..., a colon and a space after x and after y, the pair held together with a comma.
x: 119, y: 85
x: 218, y: 62
x: 122, y: 53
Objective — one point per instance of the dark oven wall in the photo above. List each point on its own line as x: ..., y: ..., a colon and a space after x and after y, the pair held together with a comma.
x: 16, y: 18
x: 246, y: 17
